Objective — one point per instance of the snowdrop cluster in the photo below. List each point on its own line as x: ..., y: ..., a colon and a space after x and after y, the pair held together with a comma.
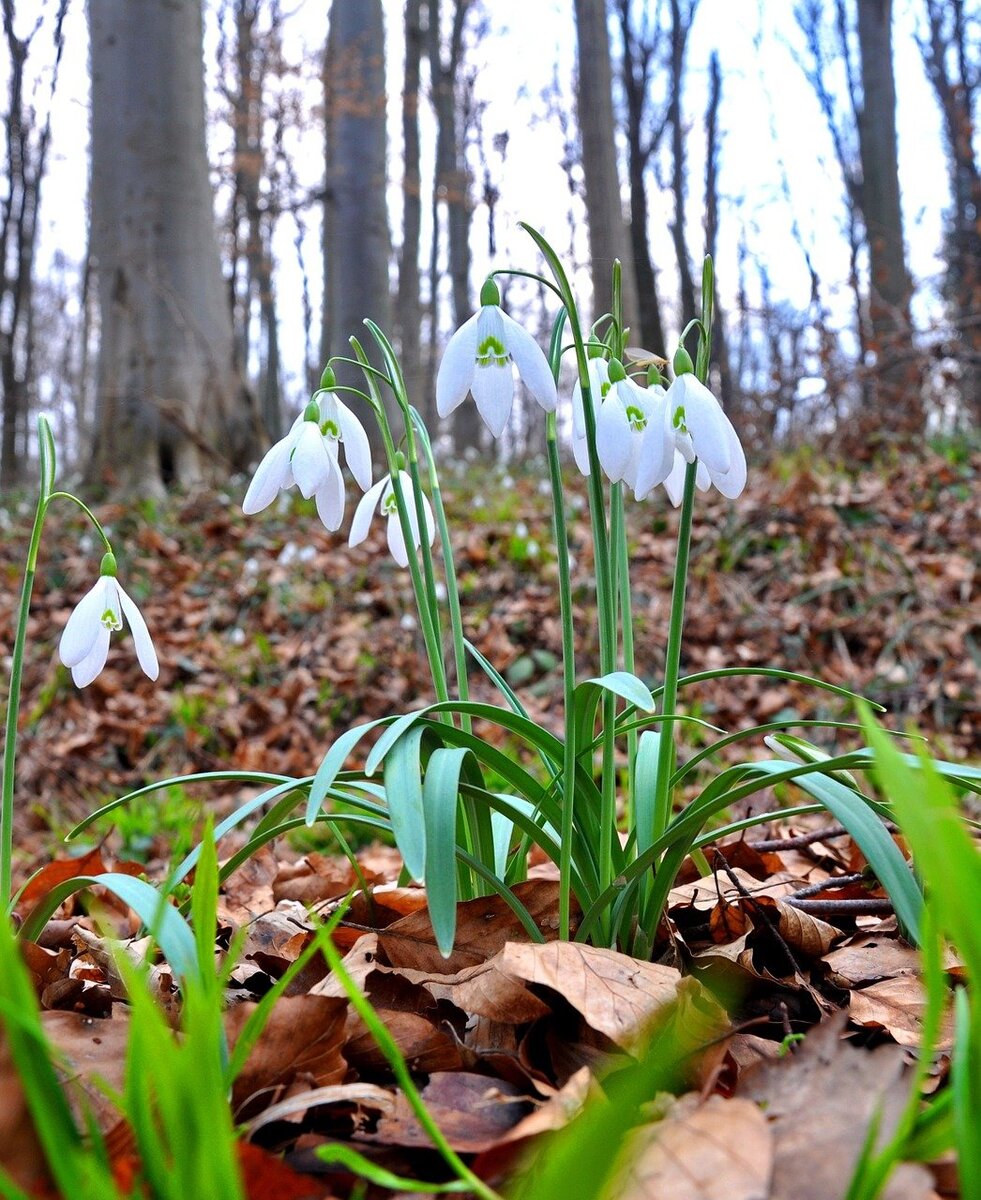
x: 644, y: 435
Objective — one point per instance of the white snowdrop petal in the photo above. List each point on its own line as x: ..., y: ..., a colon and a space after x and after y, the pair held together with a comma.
x: 396, y: 540
x: 145, y: 652
x: 674, y: 483
x: 656, y: 457
x: 84, y: 671
x: 271, y: 474
x: 84, y: 626
x: 357, y: 448
x: 705, y: 421
x: 580, y: 452
x: 613, y: 437
x: 531, y: 363
x: 330, y: 500
x: 493, y: 390
x: 731, y: 483
x: 365, y: 511
x: 310, y: 459
x: 457, y: 367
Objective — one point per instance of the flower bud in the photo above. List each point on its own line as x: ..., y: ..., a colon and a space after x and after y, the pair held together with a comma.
x: 108, y: 566
x: 490, y: 293
x: 683, y: 364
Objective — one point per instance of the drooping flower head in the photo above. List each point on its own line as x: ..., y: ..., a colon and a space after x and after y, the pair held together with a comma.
x: 699, y: 429
x: 625, y: 446
x: 381, y: 497
x: 307, y: 456
x: 478, y: 359
x: 84, y: 644
x: 598, y: 371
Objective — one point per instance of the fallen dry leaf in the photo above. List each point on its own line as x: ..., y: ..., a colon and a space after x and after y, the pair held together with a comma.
x: 716, y: 1150
x: 819, y: 1103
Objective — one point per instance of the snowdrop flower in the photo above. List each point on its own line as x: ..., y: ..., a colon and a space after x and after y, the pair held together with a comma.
x: 632, y: 442
x: 340, y: 426
x: 84, y: 644
x: 307, y: 458
x: 478, y: 359
x: 701, y: 430
x: 382, y: 497
x: 599, y: 384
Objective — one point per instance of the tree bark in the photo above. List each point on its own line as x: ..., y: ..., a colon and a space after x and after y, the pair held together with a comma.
x: 945, y: 56
x: 357, y: 242
x: 171, y: 406
x: 604, y: 207
x: 681, y: 19
x: 898, y: 401
x: 27, y: 143
x: 720, y: 345
x: 638, y: 54
x: 452, y: 190
x: 409, y: 314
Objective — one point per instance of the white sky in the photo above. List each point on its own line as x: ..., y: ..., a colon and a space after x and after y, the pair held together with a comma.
x: 531, y: 40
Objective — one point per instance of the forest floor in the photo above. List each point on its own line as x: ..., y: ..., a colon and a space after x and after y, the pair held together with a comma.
x: 274, y: 637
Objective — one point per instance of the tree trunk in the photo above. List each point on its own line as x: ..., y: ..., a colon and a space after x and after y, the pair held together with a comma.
x: 452, y: 189
x: 681, y: 20
x: 604, y: 207
x: 637, y: 56
x: 720, y: 345
x: 170, y: 404
x: 27, y: 141
x: 945, y: 55
x: 409, y: 313
x: 898, y: 401
x: 357, y: 244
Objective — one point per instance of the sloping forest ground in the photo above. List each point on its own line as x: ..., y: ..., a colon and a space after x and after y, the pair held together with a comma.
x: 274, y: 638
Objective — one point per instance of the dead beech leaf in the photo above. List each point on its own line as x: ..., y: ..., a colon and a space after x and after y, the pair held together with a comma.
x: 897, y: 1006
x: 870, y: 957
x: 719, y: 1150
x: 91, y: 1049
x: 474, y: 1112
x: 615, y: 994
x: 21, y: 1155
x: 58, y: 872
x: 484, y: 990
x: 301, y: 1040
x: 804, y: 934
x: 819, y: 1103
x: 424, y: 1047
x: 483, y: 927
x: 361, y: 1095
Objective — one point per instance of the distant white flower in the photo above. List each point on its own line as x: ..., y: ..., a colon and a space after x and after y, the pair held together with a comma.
x: 309, y: 459
x: 84, y: 644
x: 701, y: 430
x: 382, y: 497
x: 478, y: 359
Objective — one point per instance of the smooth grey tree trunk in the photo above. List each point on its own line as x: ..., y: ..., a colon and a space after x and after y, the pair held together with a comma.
x: 896, y: 380
x: 608, y: 238
x: 409, y: 312
x: 357, y: 243
x: 170, y: 405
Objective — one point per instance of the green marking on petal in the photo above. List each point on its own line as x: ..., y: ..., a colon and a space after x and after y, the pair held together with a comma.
x: 604, y: 388
x: 331, y: 429
x: 636, y: 418
x: 678, y: 420
x: 390, y: 504
x: 111, y: 620
x: 491, y: 352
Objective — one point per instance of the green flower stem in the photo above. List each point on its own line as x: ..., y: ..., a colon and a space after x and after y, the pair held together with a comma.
x: 47, y: 462
x: 386, y: 1043
x: 452, y: 590
x: 424, y: 601
x: 672, y: 663
x: 619, y: 538
x: 568, y: 674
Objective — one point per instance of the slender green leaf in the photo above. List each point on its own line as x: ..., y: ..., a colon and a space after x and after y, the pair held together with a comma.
x: 403, y: 789
x: 332, y: 764
x: 440, y: 797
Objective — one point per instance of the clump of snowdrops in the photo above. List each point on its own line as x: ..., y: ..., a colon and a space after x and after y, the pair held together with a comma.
x: 600, y: 800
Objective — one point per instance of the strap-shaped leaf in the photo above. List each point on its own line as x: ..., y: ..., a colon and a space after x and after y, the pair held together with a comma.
x: 440, y: 797
x: 403, y: 790
x: 165, y: 923
x: 332, y: 765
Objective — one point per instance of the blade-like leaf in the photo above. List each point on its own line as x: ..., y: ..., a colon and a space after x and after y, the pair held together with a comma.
x: 403, y: 790
x: 440, y: 796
